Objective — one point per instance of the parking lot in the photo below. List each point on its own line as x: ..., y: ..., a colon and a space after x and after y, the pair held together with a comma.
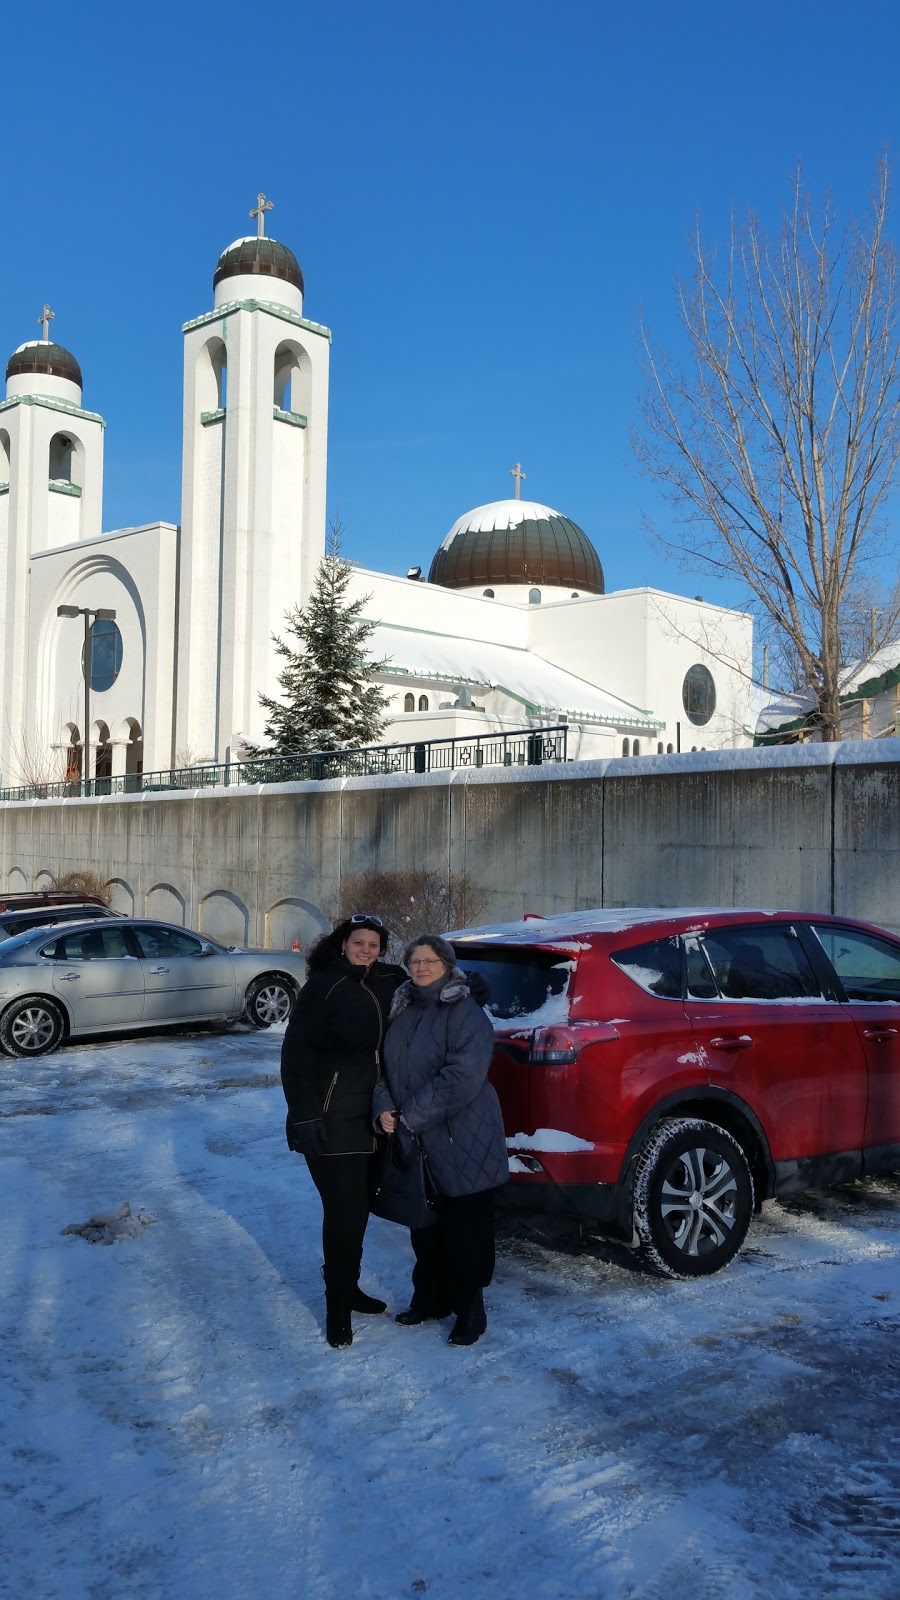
x: 173, y: 1422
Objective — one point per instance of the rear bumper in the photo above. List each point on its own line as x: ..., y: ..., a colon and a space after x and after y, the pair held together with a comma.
x: 606, y: 1205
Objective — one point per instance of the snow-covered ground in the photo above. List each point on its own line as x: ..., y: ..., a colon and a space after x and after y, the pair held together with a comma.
x: 174, y: 1426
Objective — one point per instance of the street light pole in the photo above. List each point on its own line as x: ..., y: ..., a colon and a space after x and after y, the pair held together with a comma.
x: 86, y: 612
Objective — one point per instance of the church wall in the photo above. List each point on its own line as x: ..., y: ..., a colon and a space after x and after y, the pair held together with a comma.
x: 812, y: 827
x: 412, y: 604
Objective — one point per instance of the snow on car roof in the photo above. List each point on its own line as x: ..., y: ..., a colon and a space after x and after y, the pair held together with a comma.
x: 567, y: 925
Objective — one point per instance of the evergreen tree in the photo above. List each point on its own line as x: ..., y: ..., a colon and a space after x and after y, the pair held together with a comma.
x: 328, y: 701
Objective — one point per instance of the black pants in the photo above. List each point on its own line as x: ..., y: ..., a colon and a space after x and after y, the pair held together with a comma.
x: 343, y: 1184
x: 455, y: 1258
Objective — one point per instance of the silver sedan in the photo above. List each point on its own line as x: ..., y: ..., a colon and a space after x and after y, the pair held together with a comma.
x: 110, y: 976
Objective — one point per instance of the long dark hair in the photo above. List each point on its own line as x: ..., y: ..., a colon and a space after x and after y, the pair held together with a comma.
x: 331, y: 945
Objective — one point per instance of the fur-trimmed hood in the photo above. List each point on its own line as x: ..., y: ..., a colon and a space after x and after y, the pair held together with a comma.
x: 455, y: 987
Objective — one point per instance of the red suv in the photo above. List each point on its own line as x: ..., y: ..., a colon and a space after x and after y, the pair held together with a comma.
x: 663, y: 1073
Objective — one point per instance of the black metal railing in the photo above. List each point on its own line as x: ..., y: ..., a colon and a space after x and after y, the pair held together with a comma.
x: 525, y: 747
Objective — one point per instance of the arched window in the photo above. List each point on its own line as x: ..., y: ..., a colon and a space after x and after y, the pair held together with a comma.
x: 670, y: 749
x: 73, y: 754
x: 534, y: 597
x: 626, y: 747
x: 574, y: 595
x: 409, y: 702
x: 488, y: 594
x: 423, y: 702
x: 4, y: 458
x: 212, y: 377
x: 636, y: 748
x: 659, y: 748
x: 61, y: 452
x: 292, y: 377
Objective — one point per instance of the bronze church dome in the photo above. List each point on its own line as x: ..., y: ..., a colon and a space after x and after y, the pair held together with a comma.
x: 517, y: 542
x: 40, y: 356
x: 265, y: 258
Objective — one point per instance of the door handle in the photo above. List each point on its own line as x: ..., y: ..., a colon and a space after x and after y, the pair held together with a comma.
x: 156, y: 971
x: 68, y: 977
x: 880, y: 1035
x: 732, y: 1041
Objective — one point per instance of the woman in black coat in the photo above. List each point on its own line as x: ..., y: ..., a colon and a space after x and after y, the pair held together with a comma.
x: 330, y: 1063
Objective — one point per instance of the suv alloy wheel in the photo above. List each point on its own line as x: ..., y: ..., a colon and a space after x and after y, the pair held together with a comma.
x: 693, y: 1197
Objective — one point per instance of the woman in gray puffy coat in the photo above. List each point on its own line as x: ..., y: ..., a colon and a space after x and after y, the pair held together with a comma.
x: 437, y: 1052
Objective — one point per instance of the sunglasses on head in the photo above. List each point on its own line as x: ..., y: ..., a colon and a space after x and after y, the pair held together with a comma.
x: 363, y: 916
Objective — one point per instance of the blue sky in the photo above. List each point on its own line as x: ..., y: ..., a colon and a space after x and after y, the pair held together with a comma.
x: 483, y: 198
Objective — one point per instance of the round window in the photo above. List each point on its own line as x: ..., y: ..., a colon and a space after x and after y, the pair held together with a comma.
x: 106, y: 654
x: 698, y: 694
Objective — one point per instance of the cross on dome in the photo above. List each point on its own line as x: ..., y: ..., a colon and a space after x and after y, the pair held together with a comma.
x: 517, y: 473
x: 44, y: 320
x: 262, y: 206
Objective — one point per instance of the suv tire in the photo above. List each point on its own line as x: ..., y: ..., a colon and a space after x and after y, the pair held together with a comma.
x: 693, y: 1198
x: 268, y: 1000
x: 31, y: 1026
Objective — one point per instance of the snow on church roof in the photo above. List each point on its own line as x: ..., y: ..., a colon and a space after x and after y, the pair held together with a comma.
x: 519, y: 673
x: 498, y: 514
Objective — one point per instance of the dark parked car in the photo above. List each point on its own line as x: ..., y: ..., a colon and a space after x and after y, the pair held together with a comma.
x: 13, y: 922
x: 110, y: 976
x: 664, y: 1073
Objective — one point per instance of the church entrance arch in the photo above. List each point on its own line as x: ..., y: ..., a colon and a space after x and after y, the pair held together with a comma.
x: 102, y: 758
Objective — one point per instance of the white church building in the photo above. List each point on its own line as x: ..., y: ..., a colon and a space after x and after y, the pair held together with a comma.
x: 511, y: 628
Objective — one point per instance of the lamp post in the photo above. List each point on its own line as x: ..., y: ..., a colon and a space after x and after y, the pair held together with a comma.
x: 104, y: 614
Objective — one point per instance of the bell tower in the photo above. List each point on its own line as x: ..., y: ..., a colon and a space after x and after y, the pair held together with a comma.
x: 51, y: 495
x: 253, y: 487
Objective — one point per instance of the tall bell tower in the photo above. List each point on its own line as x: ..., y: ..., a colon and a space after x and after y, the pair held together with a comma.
x: 253, y: 487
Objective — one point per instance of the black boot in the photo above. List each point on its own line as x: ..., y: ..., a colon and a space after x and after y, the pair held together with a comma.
x: 338, y: 1328
x: 421, y: 1312
x: 471, y: 1323
x: 367, y: 1303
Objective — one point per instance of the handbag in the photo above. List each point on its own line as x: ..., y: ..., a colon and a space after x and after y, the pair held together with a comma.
x: 402, y: 1188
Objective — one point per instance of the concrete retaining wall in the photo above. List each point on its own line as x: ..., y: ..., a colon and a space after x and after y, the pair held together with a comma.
x: 816, y: 827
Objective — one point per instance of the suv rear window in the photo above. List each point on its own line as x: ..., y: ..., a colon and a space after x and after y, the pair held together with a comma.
x: 527, y: 986
x: 654, y: 966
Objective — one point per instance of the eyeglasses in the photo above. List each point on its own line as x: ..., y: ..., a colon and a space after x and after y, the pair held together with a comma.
x: 423, y: 962
x: 363, y: 916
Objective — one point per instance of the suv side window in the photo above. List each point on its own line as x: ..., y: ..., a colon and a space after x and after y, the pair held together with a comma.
x: 869, y: 968
x: 654, y: 966
x: 760, y: 962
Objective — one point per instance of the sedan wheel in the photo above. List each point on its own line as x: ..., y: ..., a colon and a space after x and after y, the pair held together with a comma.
x: 31, y: 1027
x: 268, y: 1001
x: 693, y: 1198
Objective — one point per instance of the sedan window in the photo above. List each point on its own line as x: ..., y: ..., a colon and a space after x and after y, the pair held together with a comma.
x: 160, y: 941
x: 84, y: 946
x: 869, y: 968
x: 654, y: 966
x: 760, y: 962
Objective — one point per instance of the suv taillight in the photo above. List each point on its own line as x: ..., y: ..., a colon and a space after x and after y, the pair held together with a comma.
x: 564, y: 1042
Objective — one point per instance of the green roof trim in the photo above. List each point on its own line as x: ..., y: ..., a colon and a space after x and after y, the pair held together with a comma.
x: 206, y: 417
x: 51, y: 404
x: 295, y: 418
x: 863, y: 691
x: 56, y: 487
x: 4, y: 488
x: 271, y: 309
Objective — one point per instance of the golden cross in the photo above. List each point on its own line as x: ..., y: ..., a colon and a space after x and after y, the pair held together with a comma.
x: 262, y: 206
x: 517, y: 473
x: 44, y: 320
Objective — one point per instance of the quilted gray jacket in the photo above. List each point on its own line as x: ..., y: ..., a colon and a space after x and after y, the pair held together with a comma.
x: 437, y: 1051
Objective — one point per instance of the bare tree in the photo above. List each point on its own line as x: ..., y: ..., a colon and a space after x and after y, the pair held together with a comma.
x: 778, y: 444
x: 83, y: 882
x: 417, y: 901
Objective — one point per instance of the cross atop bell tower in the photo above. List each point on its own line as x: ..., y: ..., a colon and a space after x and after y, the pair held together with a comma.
x: 262, y: 206
x: 44, y: 320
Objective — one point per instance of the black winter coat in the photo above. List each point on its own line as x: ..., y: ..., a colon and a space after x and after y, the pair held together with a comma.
x: 331, y: 1056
